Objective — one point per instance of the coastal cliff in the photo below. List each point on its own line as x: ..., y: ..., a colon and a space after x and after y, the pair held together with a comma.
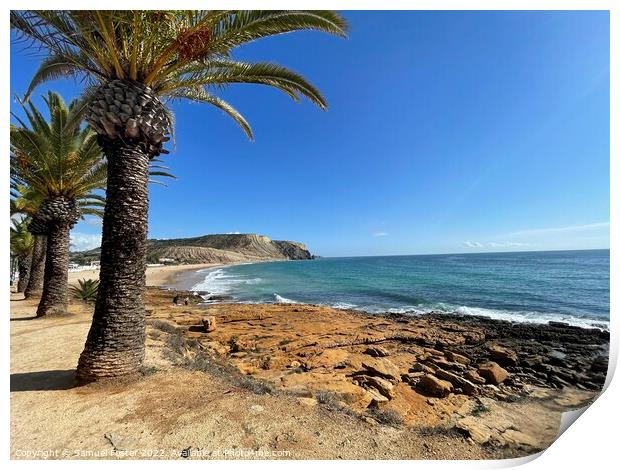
x: 218, y: 248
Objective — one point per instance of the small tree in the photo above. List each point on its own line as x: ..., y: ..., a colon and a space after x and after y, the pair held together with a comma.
x: 21, y: 249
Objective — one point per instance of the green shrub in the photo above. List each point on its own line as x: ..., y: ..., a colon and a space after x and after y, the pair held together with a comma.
x: 86, y: 290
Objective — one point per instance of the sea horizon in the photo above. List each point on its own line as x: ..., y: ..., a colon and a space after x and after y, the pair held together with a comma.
x: 452, y: 253
x: 570, y: 286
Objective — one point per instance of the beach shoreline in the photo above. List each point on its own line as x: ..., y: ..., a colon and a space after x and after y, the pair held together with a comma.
x: 397, y: 373
x: 176, y: 276
x: 185, y: 277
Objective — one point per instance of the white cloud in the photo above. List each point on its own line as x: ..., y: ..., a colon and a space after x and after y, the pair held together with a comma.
x: 471, y: 244
x: 380, y: 234
x: 233, y: 233
x: 84, y: 241
x: 507, y: 244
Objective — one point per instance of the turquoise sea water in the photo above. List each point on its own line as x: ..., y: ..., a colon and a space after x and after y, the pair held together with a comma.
x: 569, y: 286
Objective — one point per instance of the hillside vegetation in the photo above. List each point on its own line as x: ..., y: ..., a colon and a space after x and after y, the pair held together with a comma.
x: 221, y: 248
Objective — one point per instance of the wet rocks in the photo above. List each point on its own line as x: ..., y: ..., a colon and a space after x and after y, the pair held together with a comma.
x: 435, y: 386
x: 493, y: 373
x: 557, y: 358
x: 219, y: 297
x: 599, y: 364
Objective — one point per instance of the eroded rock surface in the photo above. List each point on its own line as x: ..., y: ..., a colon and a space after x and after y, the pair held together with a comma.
x: 432, y: 370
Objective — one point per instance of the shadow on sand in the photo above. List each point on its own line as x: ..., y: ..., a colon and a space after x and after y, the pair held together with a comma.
x: 34, y: 317
x: 43, y: 380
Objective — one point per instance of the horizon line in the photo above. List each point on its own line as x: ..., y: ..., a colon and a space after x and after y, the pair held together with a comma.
x: 466, y: 253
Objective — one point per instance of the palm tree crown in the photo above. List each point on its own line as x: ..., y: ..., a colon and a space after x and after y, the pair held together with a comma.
x: 21, y: 238
x: 176, y: 54
x: 56, y: 159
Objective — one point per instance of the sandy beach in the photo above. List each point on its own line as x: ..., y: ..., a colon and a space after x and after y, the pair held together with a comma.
x: 171, y: 275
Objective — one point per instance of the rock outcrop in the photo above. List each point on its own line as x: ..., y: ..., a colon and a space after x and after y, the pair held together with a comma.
x: 433, y: 370
x: 221, y: 248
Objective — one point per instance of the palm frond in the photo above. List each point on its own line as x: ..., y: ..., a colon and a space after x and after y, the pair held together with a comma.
x: 175, y: 53
x: 201, y: 96
x: 56, y: 157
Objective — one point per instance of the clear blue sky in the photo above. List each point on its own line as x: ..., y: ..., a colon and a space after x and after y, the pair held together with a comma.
x: 446, y: 132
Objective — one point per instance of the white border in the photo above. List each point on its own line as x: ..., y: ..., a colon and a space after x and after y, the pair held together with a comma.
x: 590, y: 444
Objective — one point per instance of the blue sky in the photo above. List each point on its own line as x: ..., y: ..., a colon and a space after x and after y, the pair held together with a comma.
x: 446, y: 132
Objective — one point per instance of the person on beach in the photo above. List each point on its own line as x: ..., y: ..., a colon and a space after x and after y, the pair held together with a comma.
x: 175, y: 300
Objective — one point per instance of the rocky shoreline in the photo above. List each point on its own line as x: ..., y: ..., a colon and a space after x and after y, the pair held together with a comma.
x: 552, y: 355
x: 433, y: 370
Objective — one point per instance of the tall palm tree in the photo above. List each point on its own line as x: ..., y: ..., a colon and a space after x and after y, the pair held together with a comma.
x: 134, y: 60
x: 21, y: 249
x: 62, y: 163
x: 26, y: 201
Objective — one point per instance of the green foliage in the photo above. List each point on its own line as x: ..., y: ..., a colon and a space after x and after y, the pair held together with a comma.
x: 24, y: 200
x: 86, y: 290
x: 21, y: 239
x: 178, y: 54
x: 152, y: 258
x: 56, y: 158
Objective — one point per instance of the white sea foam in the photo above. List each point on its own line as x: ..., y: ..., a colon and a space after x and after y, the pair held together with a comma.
x: 343, y: 305
x: 515, y: 316
x: 533, y: 317
x: 507, y: 315
x: 283, y: 300
x: 218, y: 281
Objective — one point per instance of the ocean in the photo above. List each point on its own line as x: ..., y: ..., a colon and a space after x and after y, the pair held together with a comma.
x: 566, y: 286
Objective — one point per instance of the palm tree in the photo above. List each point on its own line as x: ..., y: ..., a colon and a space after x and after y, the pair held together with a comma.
x: 26, y: 201
x: 21, y: 249
x: 62, y: 164
x: 134, y: 60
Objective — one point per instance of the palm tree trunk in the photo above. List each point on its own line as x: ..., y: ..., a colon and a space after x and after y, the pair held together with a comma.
x: 23, y: 268
x: 115, y: 343
x: 56, y: 276
x: 37, y: 269
x: 13, y: 270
